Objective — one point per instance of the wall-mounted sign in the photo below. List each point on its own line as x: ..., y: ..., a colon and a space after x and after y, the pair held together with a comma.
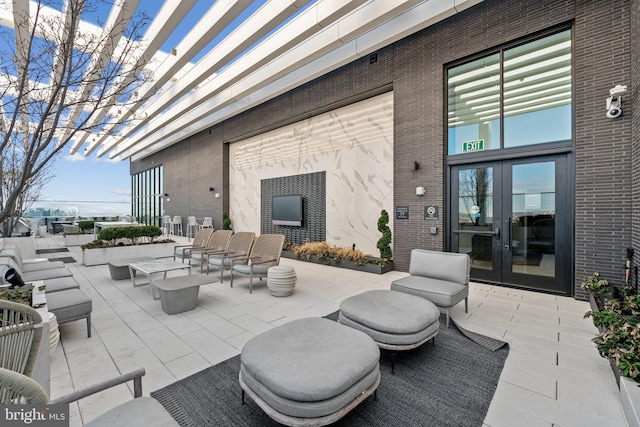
x: 402, y: 212
x: 477, y: 145
x: 430, y: 212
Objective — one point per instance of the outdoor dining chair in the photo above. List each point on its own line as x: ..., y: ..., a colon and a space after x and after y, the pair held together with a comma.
x: 20, y: 335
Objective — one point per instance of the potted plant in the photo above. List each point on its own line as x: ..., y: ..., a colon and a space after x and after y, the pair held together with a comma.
x: 385, y: 241
x: 597, y: 288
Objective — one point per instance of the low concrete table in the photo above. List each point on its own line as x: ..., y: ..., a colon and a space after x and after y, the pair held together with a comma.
x: 309, y: 371
x: 396, y: 321
x: 119, y: 268
x: 161, y: 265
x: 179, y: 294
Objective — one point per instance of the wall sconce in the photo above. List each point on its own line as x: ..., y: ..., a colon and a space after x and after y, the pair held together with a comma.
x: 217, y: 195
x: 614, y: 101
x: 166, y: 194
x: 210, y: 188
x: 420, y: 191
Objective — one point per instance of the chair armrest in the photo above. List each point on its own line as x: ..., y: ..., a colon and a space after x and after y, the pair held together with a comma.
x: 183, y: 246
x: 136, y: 376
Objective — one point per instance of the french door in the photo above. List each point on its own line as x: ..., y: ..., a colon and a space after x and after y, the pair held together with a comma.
x: 514, y: 219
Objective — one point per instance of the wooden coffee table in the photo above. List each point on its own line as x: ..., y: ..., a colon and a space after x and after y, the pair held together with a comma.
x: 162, y: 265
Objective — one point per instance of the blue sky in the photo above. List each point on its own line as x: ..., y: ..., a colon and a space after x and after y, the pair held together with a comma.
x: 81, y: 181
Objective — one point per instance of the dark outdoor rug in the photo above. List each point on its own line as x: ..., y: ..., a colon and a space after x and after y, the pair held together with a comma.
x: 65, y: 259
x: 51, y: 250
x: 449, y: 384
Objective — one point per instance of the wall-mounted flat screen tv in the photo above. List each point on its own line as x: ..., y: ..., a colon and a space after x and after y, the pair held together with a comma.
x: 287, y: 210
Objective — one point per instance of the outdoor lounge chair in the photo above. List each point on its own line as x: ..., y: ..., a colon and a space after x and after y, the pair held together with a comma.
x: 34, y: 275
x: 239, y: 246
x: 440, y: 277
x: 20, y: 335
x: 218, y: 242
x: 200, y: 241
x: 147, y: 411
x: 264, y: 254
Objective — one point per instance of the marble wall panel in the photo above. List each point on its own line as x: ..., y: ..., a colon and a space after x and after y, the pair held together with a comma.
x: 352, y: 144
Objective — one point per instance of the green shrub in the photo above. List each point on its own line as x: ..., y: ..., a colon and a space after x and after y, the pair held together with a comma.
x: 226, y: 221
x: 85, y: 225
x: 131, y: 233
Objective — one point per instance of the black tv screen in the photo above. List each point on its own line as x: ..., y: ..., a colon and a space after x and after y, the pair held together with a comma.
x: 287, y: 210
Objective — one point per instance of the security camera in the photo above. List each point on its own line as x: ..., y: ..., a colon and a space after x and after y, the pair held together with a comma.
x: 613, y: 107
x: 614, y: 112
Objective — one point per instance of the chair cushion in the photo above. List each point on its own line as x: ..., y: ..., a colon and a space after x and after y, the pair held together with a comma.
x: 451, y: 267
x: 440, y: 292
x: 246, y: 268
x: 60, y: 284
x: 140, y: 412
x: 69, y: 305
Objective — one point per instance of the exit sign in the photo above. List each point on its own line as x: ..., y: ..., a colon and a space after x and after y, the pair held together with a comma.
x: 477, y: 145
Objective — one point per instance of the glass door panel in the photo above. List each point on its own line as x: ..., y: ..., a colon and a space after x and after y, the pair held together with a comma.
x: 533, y: 219
x: 513, y: 218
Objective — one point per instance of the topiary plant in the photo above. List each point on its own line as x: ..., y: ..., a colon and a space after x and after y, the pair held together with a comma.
x: 385, y: 241
x: 226, y: 221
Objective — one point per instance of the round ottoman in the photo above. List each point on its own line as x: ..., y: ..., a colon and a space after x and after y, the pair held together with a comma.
x: 395, y: 320
x: 281, y: 280
x: 309, y: 371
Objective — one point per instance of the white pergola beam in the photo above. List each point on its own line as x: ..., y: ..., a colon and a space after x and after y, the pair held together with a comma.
x: 411, y: 20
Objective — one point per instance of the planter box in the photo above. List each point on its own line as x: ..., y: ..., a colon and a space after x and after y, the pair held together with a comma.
x: 368, y: 268
x: 106, y: 255
x: 78, y: 239
x: 630, y: 401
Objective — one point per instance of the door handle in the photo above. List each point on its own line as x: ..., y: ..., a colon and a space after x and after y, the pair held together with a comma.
x: 507, y: 242
x: 496, y: 232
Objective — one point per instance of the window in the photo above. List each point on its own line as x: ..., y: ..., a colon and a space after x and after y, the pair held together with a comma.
x: 146, y: 188
x: 516, y: 97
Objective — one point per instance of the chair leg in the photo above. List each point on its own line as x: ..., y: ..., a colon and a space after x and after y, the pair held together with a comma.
x: 448, y: 316
x: 89, y: 325
x: 466, y: 305
x: 250, y: 278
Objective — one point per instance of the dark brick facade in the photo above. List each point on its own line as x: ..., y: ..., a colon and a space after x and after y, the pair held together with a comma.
x: 604, y: 156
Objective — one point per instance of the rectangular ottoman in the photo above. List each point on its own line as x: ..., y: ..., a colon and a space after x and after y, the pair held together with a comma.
x: 70, y: 305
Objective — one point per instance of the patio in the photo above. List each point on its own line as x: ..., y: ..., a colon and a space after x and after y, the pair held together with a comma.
x: 548, y: 378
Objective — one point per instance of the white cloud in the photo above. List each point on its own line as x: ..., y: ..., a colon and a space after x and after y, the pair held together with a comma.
x: 121, y: 192
x: 77, y: 157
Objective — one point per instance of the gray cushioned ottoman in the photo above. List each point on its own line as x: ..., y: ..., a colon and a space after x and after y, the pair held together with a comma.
x: 395, y: 320
x: 70, y: 305
x: 309, y: 371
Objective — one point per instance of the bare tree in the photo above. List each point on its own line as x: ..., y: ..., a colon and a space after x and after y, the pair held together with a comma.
x: 59, y: 77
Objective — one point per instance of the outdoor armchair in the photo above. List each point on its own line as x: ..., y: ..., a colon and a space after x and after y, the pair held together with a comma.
x: 440, y: 277
x: 20, y: 335
x: 239, y: 246
x: 264, y: 254
x: 200, y: 241
x: 218, y: 242
x: 140, y: 411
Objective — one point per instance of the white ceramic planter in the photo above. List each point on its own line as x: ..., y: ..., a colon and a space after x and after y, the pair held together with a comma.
x: 106, y: 255
x: 78, y: 239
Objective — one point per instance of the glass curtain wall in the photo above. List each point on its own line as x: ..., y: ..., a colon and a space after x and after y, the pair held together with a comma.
x: 147, y: 191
